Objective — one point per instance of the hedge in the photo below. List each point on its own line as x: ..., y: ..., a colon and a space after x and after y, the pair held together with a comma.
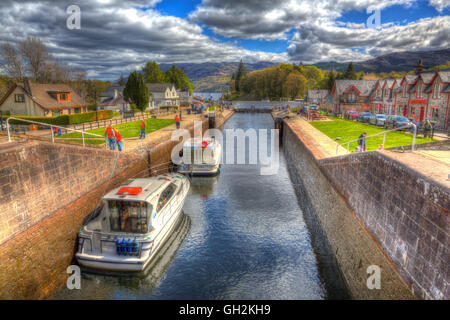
x: 67, y: 119
x: 168, y: 107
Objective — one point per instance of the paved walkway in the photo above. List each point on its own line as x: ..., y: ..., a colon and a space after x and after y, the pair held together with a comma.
x: 423, y: 162
x: 154, y: 138
x: 320, y: 140
x: 434, y: 164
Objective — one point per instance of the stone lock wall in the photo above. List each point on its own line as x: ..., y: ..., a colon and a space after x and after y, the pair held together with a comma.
x: 47, y: 190
x: 353, y: 247
x: 405, y: 212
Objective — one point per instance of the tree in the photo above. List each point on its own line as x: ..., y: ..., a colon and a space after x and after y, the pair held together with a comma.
x: 331, y: 79
x: 30, y: 58
x: 36, y: 57
x: 136, y: 91
x: 238, y: 75
x: 122, y: 81
x: 153, y: 74
x: 179, y: 79
x: 13, y: 63
x: 350, y: 73
x: 295, y: 85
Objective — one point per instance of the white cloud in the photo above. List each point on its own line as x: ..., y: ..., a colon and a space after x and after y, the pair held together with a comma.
x: 271, y: 19
x: 117, y: 38
x: 328, y: 41
x: 440, y: 5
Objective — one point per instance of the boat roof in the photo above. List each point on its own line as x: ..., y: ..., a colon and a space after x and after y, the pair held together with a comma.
x: 150, y: 187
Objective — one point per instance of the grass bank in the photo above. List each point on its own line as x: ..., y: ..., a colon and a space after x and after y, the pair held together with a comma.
x: 127, y: 130
x: 348, y: 130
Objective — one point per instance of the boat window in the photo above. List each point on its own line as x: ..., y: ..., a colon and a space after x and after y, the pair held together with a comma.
x: 203, y: 155
x: 129, y: 216
x: 165, y: 197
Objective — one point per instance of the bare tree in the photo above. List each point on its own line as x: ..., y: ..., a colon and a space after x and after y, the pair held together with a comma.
x: 36, y: 57
x: 12, y: 61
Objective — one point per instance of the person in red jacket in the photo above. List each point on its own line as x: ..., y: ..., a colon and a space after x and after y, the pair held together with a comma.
x: 109, y: 134
x: 119, y: 140
x: 177, y: 120
x: 142, y: 136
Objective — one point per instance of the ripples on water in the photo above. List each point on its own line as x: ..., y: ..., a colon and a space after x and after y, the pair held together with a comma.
x: 247, y: 240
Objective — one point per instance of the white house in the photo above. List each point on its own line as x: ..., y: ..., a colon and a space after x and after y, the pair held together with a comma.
x: 161, y: 94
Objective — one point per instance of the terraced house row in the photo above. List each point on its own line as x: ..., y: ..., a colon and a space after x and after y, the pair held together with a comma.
x: 419, y: 96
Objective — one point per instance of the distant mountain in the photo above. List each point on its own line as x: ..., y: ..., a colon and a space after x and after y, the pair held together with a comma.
x: 215, y: 77
x: 197, y: 71
x: 396, y: 61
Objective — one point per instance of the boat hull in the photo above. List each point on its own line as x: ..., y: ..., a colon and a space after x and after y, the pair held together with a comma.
x: 200, y: 171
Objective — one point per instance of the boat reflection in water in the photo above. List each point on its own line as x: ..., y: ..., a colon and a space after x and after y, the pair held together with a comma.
x: 104, y: 285
x: 204, y: 185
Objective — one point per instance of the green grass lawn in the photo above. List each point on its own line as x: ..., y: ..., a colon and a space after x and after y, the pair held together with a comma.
x: 127, y: 130
x: 349, y: 130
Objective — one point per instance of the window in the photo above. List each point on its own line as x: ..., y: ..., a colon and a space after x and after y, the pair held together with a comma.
x: 129, y: 216
x: 435, y: 113
x: 77, y: 110
x: 165, y: 197
x: 404, y: 91
x: 437, y: 91
x: 64, y: 97
x: 19, y: 98
x: 419, y: 90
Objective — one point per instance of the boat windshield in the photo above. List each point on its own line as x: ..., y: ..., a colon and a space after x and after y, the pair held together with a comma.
x: 129, y: 216
x: 198, y: 155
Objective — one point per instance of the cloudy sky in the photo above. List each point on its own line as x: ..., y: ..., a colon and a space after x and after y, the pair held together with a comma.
x: 117, y: 36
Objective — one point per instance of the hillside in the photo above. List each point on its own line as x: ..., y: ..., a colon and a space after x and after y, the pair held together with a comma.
x: 212, y: 76
x: 396, y: 61
x: 215, y: 77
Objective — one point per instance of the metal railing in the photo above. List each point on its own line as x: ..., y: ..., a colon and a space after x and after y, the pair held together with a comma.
x: 384, y: 137
x: 52, y: 126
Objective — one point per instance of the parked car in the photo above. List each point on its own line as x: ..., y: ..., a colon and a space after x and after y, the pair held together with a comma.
x: 378, y: 119
x: 364, y: 116
x: 396, y: 122
x: 351, y: 115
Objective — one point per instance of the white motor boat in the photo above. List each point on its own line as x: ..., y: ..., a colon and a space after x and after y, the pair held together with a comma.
x: 133, y: 223
x: 201, y: 157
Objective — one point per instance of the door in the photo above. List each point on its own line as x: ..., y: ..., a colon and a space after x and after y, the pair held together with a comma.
x: 422, y: 114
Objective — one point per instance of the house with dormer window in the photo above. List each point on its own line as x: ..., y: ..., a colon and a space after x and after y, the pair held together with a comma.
x: 161, y: 94
x: 35, y: 99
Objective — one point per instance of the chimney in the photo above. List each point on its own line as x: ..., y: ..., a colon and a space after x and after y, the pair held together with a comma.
x: 419, y: 68
x: 26, y: 86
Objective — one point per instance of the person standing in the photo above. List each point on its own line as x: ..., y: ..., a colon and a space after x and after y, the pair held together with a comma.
x: 109, y: 134
x: 142, y: 136
x: 427, y: 127
x: 118, y: 140
x: 177, y: 121
x: 362, y: 142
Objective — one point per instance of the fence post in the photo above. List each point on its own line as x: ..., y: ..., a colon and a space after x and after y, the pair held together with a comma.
x: 348, y: 147
x: 414, y: 137
x: 384, y: 139
x: 7, y: 128
x: 82, y: 135
x: 53, y: 137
